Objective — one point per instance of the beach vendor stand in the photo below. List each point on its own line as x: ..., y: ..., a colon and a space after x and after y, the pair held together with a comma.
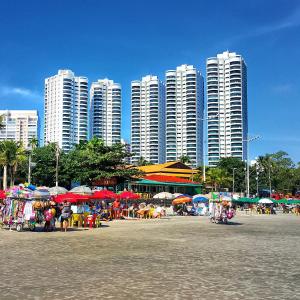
x: 24, y: 207
x: 221, y: 210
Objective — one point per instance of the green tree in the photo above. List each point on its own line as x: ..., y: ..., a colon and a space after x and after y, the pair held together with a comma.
x: 278, y: 170
x: 33, y: 143
x: 12, y: 154
x: 218, y: 178
x: 234, y: 165
x: 185, y: 159
x: 2, y: 126
x: 93, y: 160
x: 44, y: 171
x: 143, y: 162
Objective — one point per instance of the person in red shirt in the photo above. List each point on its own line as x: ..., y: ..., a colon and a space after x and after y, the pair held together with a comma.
x: 116, y: 209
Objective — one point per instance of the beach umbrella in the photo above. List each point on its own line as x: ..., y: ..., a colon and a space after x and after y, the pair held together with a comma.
x: 293, y: 201
x: 71, y: 197
x: 57, y: 190
x: 177, y: 195
x: 2, y: 194
x: 31, y: 187
x: 281, y: 201
x: 129, y: 195
x: 104, y: 194
x: 82, y: 189
x: 200, y: 199
x: 163, y: 195
x: 246, y: 200
x: 182, y: 199
x: 265, y: 201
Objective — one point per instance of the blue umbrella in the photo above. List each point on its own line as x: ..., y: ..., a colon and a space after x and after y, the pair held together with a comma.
x: 200, y: 199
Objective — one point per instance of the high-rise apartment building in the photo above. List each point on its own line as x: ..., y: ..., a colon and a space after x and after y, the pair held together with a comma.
x: 184, y: 114
x: 148, y: 120
x: 105, y: 111
x: 20, y: 126
x: 66, y: 109
x: 226, y: 98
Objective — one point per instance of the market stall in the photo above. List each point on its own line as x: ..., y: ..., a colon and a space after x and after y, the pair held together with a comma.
x: 24, y: 207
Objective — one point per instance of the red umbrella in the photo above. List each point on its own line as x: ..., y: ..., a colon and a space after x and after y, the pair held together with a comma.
x: 70, y: 197
x: 104, y: 194
x: 2, y: 194
x: 129, y: 196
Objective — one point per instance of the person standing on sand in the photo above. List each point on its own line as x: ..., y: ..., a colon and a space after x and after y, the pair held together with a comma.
x: 116, y: 209
x: 65, y: 216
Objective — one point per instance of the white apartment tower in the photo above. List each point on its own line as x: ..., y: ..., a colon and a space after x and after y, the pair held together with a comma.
x: 20, y: 126
x: 105, y: 111
x: 184, y: 114
x: 148, y: 120
x: 66, y: 109
x: 227, y: 97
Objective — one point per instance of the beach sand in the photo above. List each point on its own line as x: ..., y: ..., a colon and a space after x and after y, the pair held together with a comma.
x: 256, y: 257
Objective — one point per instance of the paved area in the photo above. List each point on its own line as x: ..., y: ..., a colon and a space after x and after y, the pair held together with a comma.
x: 257, y: 257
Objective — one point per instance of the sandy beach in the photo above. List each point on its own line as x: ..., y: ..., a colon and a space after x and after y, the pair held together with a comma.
x: 256, y: 257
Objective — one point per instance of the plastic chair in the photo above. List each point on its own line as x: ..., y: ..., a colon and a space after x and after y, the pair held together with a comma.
x: 90, y: 221
x: 98, y: 221
x: 76, y: 218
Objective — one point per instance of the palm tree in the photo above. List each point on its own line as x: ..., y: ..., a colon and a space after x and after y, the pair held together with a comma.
x: 11, y: 155
x: 185, y: 159
x: 34, y: 143
x: 217, y: 177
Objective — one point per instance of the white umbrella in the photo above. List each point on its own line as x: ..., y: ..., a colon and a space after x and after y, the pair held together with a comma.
x: 265, y: 201
x: 163, y: 195
x: 82, y: 189
x: 235, y: 197
x: 177, y: 195
x: 57, y: 190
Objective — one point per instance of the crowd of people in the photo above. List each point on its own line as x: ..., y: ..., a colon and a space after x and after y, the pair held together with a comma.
x: 269, y: 209
x: 50, y: 214
x: 91, y: 214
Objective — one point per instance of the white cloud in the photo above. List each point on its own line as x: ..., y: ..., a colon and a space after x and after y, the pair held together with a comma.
x: 6, y: 91
x: 291, y: 21
x: 282, y: 88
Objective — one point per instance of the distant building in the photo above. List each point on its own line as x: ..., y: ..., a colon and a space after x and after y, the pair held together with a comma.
x: 227, y: 97
x: 20, y: 125
x: 66, y: 109
x: 127, y: 148
x: 148, y: 120
x: 105, y: 111
x: 184, y: 114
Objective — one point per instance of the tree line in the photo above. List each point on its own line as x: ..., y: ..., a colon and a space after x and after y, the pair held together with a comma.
x: 92, y: 160
x: 87, y: 162
x: 275, y: 171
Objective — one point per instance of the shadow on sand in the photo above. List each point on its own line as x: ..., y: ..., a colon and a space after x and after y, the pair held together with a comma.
x: 40, y: 229
x: 234, y: 223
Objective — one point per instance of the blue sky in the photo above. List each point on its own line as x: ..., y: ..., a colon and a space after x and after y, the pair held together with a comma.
x: 125, y: 40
